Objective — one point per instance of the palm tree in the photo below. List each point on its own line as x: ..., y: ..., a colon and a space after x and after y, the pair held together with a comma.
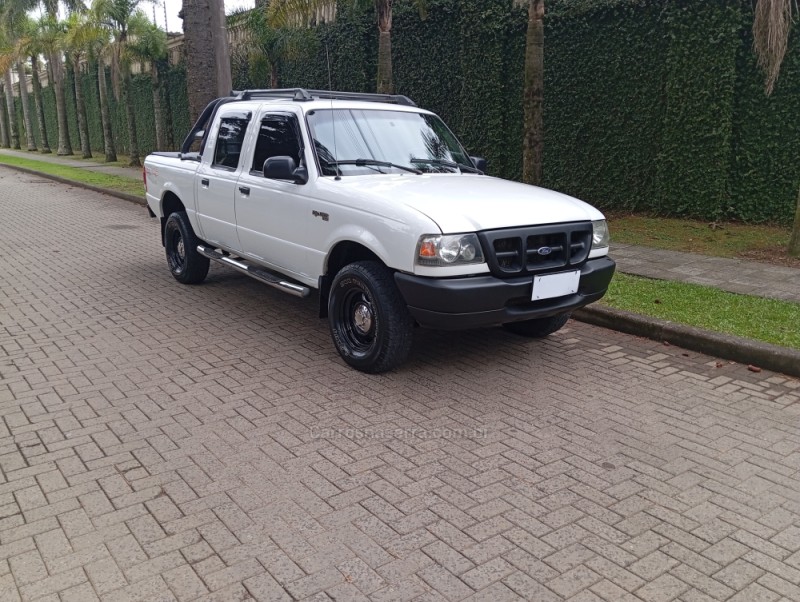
x: 772, y: 25
x: 268, y: 46
x: 118, y: 16
x: 7, y: 56
x: 4, y: 141
x: 109, y: 146
x: 79, y: 34
x: 284, y: 13
x: 50, y: 36
x: 533, y: 143
x: 34, y: 49
x: 150, y: 45
x: 208, y: 72
x: 17, y: 28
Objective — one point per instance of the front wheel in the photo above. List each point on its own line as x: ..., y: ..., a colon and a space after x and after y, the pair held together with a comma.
x: 370, y: 323
x: 539, y: 327
x: 180, y: 242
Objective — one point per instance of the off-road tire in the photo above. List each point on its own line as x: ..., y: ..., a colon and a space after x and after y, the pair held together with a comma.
x: 538, y: 328
x: 180, y: 243
x: 370, y: 324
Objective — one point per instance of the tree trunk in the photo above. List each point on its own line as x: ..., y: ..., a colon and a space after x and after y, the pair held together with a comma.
x: 167, y: 107
x: 130, y: 117
x: 794, y: 241
x: 273, y: 72
x: 385, y: 82
x: 83, y: 122
x: 3, y: 118
x: 533, y: 144
x: 202, y: 29
x: 158, y: 108
x: 105, y: 117
x: 39, y: 102
x: 13, y: 129
x: 26, y: 111
x: 222, y: 56
x: 64, y: 144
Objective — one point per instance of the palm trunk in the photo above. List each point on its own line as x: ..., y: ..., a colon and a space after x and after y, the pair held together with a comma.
x: 3, y: 118
x: 385, y: 82
x: 64, y: 144
x: 38, y: 101
x: 130, y: 116
x: 26, y: 111
x: 13, y: 130
x: 80, y: 104
x: 201, y: 67
x: 533, y: 144
x: 168, y: 123
x: 794, y: 241
x: 273, y: 74
x: 105, y: 117
x: 158, y: 107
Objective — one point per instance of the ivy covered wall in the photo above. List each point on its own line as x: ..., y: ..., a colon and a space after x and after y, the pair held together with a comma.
x: 650, y: 105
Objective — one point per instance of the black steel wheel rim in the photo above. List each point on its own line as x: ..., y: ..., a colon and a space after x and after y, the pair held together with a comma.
x: 356, y: 321
x: 177, y: 252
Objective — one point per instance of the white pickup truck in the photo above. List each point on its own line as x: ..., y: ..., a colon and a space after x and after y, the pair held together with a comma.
x: 374, y: 203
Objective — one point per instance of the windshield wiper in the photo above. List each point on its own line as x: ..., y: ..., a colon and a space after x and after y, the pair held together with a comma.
x: 376, y: 163
x: 443, y: 163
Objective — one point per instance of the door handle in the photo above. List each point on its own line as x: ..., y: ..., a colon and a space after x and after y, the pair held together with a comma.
x: 204, y: 182
x: 244, y: 190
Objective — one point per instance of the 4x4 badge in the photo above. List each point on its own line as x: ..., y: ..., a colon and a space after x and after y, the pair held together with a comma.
x: 325, y: 217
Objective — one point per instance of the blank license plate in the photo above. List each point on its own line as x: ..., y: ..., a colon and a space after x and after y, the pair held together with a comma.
x: 555, y: 285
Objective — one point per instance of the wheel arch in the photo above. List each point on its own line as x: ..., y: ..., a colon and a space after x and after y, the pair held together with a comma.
x: 170, y: 203
x: 343, y: 253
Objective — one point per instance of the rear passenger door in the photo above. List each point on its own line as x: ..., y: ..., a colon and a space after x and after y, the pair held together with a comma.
x: 271, y: 214
x: 217, y: 176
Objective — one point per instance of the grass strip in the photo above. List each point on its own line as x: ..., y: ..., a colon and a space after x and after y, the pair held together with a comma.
x: 768, y: 320
x: 692, y: 236
x: 79, y: 174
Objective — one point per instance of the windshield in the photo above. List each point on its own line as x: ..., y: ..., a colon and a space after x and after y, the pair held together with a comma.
x: 396, y: 139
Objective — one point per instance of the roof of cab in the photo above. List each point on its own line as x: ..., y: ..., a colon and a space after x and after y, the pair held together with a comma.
x: 317, y: 104
x: 311, y: 100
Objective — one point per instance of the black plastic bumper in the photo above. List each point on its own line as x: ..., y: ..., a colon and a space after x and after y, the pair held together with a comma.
x: 460, y: 303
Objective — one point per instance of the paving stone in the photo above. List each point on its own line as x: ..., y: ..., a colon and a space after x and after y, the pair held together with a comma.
x: 168, y: 447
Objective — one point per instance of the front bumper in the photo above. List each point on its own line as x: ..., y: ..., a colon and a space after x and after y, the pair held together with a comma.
x: 461, y: 303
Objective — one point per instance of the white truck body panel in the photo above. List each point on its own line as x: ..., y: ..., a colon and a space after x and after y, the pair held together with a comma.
x: 275, y: 225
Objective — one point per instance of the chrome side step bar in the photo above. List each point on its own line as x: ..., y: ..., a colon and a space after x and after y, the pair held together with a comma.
x: 260, y: 274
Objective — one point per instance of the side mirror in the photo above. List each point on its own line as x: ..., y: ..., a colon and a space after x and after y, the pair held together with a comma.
x: 480, y: 163
x: 285, y: 168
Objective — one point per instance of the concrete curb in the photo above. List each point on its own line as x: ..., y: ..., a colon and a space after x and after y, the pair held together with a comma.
x: 744, y: 351
x: 132, y: 198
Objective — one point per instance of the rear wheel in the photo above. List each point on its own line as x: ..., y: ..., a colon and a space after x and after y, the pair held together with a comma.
x: 538, y: 328
x: 370, y: 323
x: 180, y: 242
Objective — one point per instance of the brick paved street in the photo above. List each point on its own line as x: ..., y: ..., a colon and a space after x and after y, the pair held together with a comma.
x: 163, y: 442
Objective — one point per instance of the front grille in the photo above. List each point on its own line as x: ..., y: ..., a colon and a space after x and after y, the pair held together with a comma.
x: 534, y: 249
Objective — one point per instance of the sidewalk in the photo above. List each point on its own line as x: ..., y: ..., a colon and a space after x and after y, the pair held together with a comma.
x: 134, y: 173
x: 733, y: 275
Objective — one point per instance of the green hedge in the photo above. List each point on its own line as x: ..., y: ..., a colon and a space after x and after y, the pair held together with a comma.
x: 175, y: 94
x: 650, y: 105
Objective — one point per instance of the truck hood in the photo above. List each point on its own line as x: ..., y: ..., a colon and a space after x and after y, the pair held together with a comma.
x: 471, y: 202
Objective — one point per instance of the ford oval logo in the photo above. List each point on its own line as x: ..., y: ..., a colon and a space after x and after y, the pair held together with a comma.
x: 544, y: 250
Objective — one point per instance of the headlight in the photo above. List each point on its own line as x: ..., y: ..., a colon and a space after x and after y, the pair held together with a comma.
x: 600, y: 237
x: 456, y: 249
